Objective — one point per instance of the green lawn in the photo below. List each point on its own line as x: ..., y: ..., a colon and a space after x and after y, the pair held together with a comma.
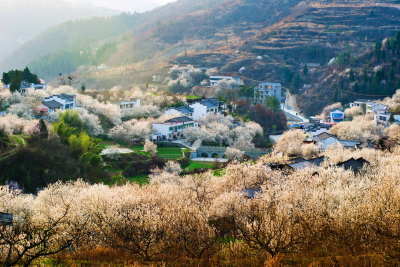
x: 169, y: 150
x: 192, y: 97
x: 141, y: 179
x: 18, y: 140
x: 165, y: 152
x: 138, y: 148
x: 197, y: 165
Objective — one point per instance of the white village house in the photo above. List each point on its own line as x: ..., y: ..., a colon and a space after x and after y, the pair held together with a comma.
x: 126, y: 105
x: 215, y: 79
x: 26, y: 85
x: 265, y: 90
x: 199, y: 109
x: 172, y: 128
x: 58, y: 102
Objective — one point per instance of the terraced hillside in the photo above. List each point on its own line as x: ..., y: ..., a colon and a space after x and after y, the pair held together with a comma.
x: 230, y: 34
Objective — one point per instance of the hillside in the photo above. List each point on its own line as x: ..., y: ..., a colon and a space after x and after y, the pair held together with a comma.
x: 229, y: 35
x: 24, y: 19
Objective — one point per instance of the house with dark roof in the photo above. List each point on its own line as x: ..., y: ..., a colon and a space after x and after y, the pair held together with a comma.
x: 368, y: 145
x: 172, y: 128
x: 58, y: 102
x: 348, y: 144
x: 180, y: 111
x: 199, y: 109
x: 323, y: 140
x: 353, y: 164
x: 307, y: 163
x: 6, y: 219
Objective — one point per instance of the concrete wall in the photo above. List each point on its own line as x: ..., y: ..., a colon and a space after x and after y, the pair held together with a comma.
x: 199, y: 110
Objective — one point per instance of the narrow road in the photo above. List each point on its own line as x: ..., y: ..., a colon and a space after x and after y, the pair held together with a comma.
x: 290, y: 108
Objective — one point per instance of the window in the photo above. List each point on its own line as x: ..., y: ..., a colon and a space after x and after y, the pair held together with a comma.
x: 180, y: 127
x: 191, y: 124
x: 171, y: 129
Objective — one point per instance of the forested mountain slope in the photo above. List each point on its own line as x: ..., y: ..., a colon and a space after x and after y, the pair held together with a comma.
x: 21, y: 20
x: 229, y: 35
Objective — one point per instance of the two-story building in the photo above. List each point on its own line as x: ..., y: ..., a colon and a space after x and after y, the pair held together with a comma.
x: 180, y: 111
x: 25, y: 85
x: 265, y: 90
x: 374, y: 107
x: 199, y: 109
x: 362, y: 103
x: 172, y: 129
x: 58, y: 102
x: 126, y: 105
x: 215, y: 79
x: 382, y: 117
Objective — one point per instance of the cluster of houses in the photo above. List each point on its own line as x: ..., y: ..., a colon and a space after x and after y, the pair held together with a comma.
x: 26, y: 85
x: 380, y: 111
x: 186, y: 117
x: 317, y: 133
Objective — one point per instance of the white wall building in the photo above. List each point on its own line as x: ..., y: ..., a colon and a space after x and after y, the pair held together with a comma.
x: 58, y: 102
x: 373, y: 107
x: 172, y: 129
x: 126, y: 105
x: 263, y: 90
x: 382, y: 117
x: 26, y: 85
x: 215, y: 79
x: 180, y: 111
x: 199, y: 109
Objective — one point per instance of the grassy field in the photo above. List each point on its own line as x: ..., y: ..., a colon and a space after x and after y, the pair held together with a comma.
x: 141, y: 179
x: 197, y: 165
x: 164, y: 152
x: 193, y: 97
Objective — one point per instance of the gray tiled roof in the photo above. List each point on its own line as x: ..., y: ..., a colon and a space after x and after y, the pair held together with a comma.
x: 209, y: 104
x: 180, y: 119
x: 348, y: 143
x: 323, y: 136
x: 353, y: 164
x: 53, y: 104
x: 307, y: 163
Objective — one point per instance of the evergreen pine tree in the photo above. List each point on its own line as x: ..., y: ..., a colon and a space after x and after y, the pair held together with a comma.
x: 294, y: 87
x: 398, y: 84
x: 335, y: 96
x: 43, y: 132
x: 351, y: 75
x: 16, y: 81
x: 305, y: 70
x: 6, y: 78
x: 398, y: 38
x: 393, y: 63
x: 365, y: 76
x: 391, y: 75
x: 391, y: 118
x: 356, y: 88
x: 383, y: 56
x: 375, y: 86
